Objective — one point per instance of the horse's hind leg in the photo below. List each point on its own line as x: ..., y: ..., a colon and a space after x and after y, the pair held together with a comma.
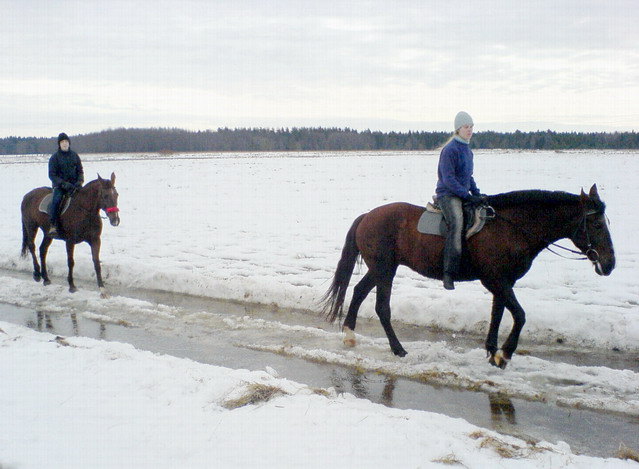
x: 44, y: 247
x: 383, y: 310
x: 70, y: 264
x: 360, y: 292
x: 29, y: 239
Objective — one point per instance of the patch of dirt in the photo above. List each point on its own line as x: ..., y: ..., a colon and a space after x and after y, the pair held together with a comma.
x: 255, y: 394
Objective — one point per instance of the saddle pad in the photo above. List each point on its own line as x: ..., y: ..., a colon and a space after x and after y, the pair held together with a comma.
x: 46, y: 202
x: 434, y: 224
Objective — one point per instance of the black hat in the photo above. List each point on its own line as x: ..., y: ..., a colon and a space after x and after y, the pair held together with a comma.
x: 63, y: 136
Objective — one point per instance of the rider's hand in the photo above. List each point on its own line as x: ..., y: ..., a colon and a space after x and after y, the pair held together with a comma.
x: 476, y: 199
x: 67, y: 186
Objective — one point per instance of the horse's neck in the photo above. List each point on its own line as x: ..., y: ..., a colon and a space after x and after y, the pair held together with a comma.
x: 548, y: 224
x: 88, y: 198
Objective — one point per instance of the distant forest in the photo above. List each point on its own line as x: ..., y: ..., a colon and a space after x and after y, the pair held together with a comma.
x: 307, y: 139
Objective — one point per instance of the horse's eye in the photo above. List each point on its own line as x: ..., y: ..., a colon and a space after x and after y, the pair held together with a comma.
x: 597, y: 225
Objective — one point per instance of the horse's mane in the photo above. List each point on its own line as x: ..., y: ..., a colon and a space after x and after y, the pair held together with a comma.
x: 96, y: 181
x: 536, y: 197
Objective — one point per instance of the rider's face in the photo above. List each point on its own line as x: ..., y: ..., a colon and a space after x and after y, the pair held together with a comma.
x: 64, y: 145
x: 466, y: 131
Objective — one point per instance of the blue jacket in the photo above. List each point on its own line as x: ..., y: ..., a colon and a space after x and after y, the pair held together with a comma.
x: 455, y: 171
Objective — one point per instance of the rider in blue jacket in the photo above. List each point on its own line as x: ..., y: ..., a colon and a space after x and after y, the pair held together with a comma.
x: 67, y: 176
x: 455, y: 185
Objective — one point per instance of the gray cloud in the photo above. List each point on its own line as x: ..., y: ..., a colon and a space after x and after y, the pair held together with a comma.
x: 349, y: 60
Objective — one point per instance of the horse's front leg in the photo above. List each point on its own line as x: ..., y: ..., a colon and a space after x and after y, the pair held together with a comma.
x: 519, y: 319
x: 493, y: 332
x: 44, y: 247
x: 70, y: 264
x: 95, y: 254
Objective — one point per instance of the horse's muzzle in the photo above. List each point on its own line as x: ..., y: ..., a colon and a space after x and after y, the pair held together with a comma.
x: 114, y: 219
x: 604, y: 267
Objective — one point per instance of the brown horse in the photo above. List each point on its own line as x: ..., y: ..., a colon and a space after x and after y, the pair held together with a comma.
x: 81, y: 222
x: 526, y: 222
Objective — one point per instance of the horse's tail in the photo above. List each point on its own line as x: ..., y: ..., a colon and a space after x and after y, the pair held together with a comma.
x: 333, y: 300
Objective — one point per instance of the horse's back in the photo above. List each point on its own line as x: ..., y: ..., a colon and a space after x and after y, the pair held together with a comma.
x: 391, y: 218
x: 32, y: 198
x: 391, y: 230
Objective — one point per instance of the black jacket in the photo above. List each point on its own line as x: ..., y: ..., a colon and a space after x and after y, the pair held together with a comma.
x: 65, y: 166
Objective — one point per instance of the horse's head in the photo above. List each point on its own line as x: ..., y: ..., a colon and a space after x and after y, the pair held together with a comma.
x: 109, y: 199
x: 592, y: 235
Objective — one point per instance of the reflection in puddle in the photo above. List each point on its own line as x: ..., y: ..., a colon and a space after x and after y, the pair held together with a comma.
x: 501, y: 409
x: 44, y: 322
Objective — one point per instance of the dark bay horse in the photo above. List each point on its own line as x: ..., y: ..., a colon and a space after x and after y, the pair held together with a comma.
x: 81, y: 222
x: 526, y: 222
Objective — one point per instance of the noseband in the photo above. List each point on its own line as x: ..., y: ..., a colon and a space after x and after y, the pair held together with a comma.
x: 591, y: 253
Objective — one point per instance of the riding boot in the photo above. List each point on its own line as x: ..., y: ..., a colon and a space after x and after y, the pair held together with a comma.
x: 448, y: 281
x: 451, y: 267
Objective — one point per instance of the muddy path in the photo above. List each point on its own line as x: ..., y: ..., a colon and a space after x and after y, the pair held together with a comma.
x: 246, y: 336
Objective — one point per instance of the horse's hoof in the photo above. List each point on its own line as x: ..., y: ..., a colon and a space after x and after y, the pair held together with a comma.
x: 499, y: 360
x: 37, y: 277
x: 103, y: 293
x: 400, y: 352
x: 72, y: 289
x: 46, y: 282
x: 349, y: 337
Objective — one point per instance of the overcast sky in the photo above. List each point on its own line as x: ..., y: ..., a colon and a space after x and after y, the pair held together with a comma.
x: 386, y: 65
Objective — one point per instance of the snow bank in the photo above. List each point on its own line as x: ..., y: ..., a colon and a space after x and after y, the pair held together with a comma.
x: 77, y: 403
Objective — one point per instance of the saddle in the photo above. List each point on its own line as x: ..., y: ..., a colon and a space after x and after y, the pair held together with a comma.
x: 45, y: 203
x: 432, y: 220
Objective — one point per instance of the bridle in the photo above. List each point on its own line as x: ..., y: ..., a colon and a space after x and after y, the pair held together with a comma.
x: 113, y: 209
x: 591, y: 253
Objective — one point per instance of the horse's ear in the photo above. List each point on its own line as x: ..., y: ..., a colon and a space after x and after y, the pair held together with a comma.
x: 594, y: 195
x: 99, y: 178
x: 583, y: 197
x: 113, y: 178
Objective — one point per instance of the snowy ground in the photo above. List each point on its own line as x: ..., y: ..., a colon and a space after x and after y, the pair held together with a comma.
x: 77, y: 403
x: 269, y: 229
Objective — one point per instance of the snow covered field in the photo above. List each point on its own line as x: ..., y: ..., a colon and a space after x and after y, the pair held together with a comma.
x: 269, y: 228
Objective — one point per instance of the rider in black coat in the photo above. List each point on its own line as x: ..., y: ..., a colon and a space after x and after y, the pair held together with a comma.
x: 67, y: 176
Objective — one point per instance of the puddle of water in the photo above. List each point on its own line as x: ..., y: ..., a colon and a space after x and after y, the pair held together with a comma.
x: 587, y: 432
x: 371, y: 327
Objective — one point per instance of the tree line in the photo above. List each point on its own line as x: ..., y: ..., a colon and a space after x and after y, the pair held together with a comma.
x: 308, y: 139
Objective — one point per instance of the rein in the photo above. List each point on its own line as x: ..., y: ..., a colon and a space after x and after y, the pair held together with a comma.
x: 589, y: 251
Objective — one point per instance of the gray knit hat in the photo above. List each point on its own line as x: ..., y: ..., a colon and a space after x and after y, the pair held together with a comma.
x: 463, y: 118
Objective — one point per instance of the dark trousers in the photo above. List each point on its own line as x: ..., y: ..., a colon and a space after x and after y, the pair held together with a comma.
x: 453, y: 212
x: 54, y: 208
